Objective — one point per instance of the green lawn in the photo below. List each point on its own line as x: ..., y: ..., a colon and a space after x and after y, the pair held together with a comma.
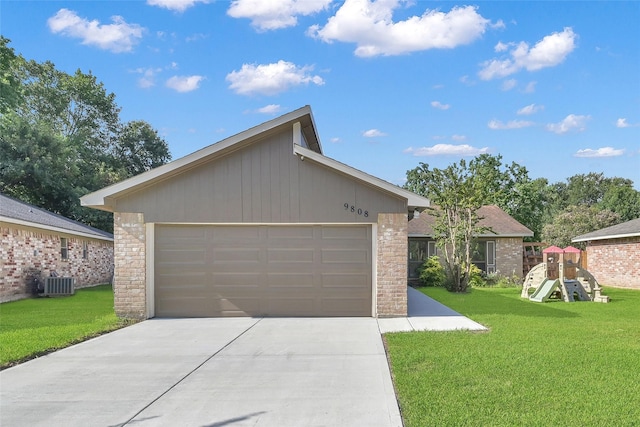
x: 561, y: 364
x: 35, y: 326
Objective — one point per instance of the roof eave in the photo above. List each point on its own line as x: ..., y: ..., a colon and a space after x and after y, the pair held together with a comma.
x: 414, y: 201
x: 52, y: 228
x: 587, y: 238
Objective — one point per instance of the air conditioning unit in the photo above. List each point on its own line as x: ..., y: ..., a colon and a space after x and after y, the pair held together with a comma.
x: 54, y: 286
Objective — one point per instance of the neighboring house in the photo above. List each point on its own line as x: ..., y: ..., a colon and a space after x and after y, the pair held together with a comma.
x: 613, y: 254
x: 38, y: 242
x: 259, y: 224
x: 496, y: 250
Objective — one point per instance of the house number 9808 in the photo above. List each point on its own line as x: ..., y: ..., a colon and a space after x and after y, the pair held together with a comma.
x: 359, y: 211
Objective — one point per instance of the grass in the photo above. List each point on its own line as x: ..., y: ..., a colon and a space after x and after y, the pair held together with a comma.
x: 556, y: 363
x: 32, y: 327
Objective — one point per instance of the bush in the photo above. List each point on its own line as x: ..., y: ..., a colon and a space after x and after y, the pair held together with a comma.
x: 432, y: 272
x: 476, y: 279
x: 493, y: 279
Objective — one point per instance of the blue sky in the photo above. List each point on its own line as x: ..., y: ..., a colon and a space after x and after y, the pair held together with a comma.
x: 553, y: 86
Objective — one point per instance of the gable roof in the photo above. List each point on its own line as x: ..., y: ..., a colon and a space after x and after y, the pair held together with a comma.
x: 304, y: 133
x: 21, y: 213
x: 626, y: 229
x: 501, y: 223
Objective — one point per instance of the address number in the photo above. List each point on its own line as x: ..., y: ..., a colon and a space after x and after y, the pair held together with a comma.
x: 354, y: 209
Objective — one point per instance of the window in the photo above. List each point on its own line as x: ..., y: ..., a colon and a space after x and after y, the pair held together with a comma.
x: 64, y: 248
x: 484, y: 256
x: 85, y: 250
x: 419, y: 251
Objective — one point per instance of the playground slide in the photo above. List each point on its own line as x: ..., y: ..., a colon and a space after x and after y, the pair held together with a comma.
x: 544, y: 290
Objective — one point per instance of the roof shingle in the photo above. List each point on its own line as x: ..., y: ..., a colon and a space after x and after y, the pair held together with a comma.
x: 626, y: 229
x: 11, y: 208
x: 500, y: 223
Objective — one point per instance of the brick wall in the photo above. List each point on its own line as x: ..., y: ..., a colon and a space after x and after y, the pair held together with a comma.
x: 509, y: 256
x: 615, y: 262
x: 25, y: 251
x: 392, y: 265
x: 130, y: 265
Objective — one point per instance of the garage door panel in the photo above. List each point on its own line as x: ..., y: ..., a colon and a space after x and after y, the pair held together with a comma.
x: 290, y: 255
x: 290, y: 280
x: 346, y: 281
x: 345, y: 233
x: 299, y: 233
x: 232, y: 255
x: 344, y: 256
x: 342, y: 306
x: 305, y: 270
x: 235, y: 280
x: 232, y: 234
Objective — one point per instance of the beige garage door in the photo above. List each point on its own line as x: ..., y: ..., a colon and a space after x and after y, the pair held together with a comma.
x: 213, y: 271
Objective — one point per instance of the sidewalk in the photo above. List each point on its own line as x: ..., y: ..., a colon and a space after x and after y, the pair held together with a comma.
x: 427, y: 314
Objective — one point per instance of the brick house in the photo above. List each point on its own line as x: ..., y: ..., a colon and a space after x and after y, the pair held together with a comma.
x: 497, y: 250
x: 613, y: 254
x: 37, y: 242
x: 259, y: 224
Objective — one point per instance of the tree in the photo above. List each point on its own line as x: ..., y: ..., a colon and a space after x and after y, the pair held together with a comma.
x: 10, y: 89
x: 623, y: 200
x: 61, y: 138
x: 139, y: 148
x: 458, y: 195
x: 576, y: 220
x: 510, y: 188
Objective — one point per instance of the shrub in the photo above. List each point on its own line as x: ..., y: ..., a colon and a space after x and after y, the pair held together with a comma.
x: 432, y: 272
x: 475, y: 277
x: 494, y: 279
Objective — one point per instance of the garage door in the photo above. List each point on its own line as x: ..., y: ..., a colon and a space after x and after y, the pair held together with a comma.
x: 213, y: 271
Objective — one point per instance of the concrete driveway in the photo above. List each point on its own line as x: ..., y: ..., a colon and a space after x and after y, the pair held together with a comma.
x: 210, y: 372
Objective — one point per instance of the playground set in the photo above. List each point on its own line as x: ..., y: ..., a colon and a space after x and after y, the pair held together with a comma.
x: 560, y: 277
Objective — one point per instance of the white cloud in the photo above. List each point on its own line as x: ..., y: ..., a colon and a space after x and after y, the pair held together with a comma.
x: 117, y: 37
x: 184, y: 83
x: 335, y: 140
x: 467, y: 81
x: 512, y: 124
x: 175, y: 5
x: 439, y: 105
x: 369, y: 24
x: 599, y: 152
x: 509, y: 84
x: 569, y: 123
x: 148, y: 78
x: 530, y: 109
x: 373, y: 133
x: 270, y: 79
x: 548, y: 52
x: 446, y: 149
x: 458, y: 138
x: 269, y: 109
x: 531, y: 87
x: 622, y: 123
x: 275, y: 14
x: 501, y: 47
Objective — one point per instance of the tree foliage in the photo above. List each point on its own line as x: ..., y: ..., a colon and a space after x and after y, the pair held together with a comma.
x: 510, y: 188
x: 61, y: 137
x: 576, y: 220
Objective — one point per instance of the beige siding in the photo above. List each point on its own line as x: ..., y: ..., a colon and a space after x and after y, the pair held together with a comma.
x: 262, y: 183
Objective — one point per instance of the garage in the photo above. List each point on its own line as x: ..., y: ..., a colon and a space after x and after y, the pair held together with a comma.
x: 265, y: 270
x: 261, y: 223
